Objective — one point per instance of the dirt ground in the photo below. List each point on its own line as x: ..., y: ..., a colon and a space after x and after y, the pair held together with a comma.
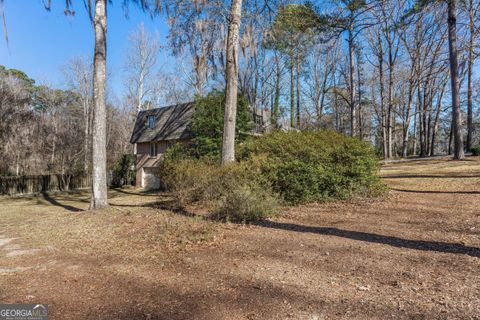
x: 414, y: 254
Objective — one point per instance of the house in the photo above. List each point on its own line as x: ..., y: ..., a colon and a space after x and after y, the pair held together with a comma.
x: 157, y: 129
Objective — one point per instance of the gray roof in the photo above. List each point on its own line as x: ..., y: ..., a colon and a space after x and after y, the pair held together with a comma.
x: 171, y: 123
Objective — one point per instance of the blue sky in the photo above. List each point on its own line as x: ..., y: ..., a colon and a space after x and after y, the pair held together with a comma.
x: 41, y: 42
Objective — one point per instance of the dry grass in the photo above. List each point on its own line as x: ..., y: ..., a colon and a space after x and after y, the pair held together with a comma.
x: 414, y: 254
x: 442, y: 175
x: 133, y: 227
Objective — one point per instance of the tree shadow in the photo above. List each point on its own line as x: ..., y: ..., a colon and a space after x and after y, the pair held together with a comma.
x: 444, y: 247
x: 435, y: 191
x: 140, y: 193
x: 168, y: 205
x: 422, y: 176
x: 436, y: 246
x: 54, y: 202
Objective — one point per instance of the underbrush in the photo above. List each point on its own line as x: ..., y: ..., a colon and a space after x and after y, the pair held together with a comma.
x: 237, y: 191
x: 289, y: 168
x: 476, y: 150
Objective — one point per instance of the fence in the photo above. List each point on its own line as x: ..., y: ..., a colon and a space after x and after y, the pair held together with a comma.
x: 16, y: 185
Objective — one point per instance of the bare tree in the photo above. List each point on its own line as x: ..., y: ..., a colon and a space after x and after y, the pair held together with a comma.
x: 139, y: 67
x: 353, y: 21
x: 472, y: 8
x: 198, y: 28
x: 78, y: 73
x: 459, y: 153
x: 321, y: 64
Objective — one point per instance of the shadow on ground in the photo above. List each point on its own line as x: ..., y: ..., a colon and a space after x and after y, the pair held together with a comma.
x: 427, y: 176
x: 54, y: 202
x: 444, y: 247
x: 435, y: 191
x: 57, y: 199
x: 139, y: 193
x: 436, y: 246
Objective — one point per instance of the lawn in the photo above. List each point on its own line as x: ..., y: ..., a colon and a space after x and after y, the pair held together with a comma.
x: 413, y: 254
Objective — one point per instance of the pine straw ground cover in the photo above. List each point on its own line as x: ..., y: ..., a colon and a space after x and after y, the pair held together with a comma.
x: 414, y: 254
x: 134, y: 226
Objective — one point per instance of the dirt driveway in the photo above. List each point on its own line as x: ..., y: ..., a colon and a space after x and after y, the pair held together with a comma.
x: 413, y: 255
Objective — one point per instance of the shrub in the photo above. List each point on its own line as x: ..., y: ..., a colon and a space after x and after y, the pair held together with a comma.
x: 188, y: 180
x: 236, y: 191
x: 245, y: 202
x: 315, y: 165
x: 296, y: 167
x: 476, y: 150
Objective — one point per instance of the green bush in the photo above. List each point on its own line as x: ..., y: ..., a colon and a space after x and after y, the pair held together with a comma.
x: 122, y: 173
x: 476, y: 150
x: 237, y: 192
x: 315, y: 165
x: 296, y: 167
x: 207, y: 123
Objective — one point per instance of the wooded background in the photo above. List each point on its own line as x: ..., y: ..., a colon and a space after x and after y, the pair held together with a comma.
x: 379, y: 70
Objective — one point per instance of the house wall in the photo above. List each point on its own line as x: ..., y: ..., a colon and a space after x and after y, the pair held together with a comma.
x: 162, y: 146
x: 143, y: 148
x: 138, y: 177
x: 147, y: 176
x: 150, y: 178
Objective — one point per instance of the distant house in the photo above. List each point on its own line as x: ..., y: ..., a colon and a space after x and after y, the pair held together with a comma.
x: 157, y: 129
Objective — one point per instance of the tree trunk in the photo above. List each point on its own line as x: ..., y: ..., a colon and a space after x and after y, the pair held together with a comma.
x: 429, y: 129
x: 437, y: 118
x: 277, y: 94
x: 322, y: 101
x: 470, y: 80
x: 54, y: 141
x: 297, y: 62
x: 276, y: 102
x: 352, y: 82
x: 292, y: 94
x: 228, y: 142
x: 390, y: 102
x: 456, y: 116
x: 382, y: 103
x: 450, y: 138
x: 17, y: 166
x: 87, y: 141
x: 140, y: 92
x: 469, y: 104
x: 359, y: 79
x: 414, y: 147
x: 335, y: 107
x: 425, y: 119
x: 99, y: 134
x: 421, y: 122
x: 406, y: 124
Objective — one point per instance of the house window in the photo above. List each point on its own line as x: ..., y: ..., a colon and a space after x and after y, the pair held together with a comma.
x: 153, y: 149
x: 151, y: 122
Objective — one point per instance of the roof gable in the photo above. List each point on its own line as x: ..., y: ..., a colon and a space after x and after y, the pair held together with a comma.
x: 171, y: 123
